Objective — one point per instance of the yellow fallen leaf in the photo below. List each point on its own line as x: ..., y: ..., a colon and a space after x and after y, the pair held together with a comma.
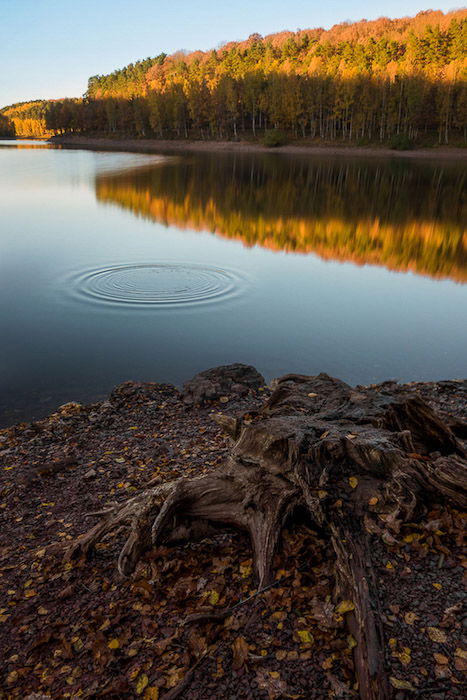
x: 274, y: 674
x: 353, y: 481
x: 305, y: 636
x: 400, y: 685
x: 152, y: 693
x: 410, y: 617
x: 324, y: 435
x: 134, y: 673
x: 142, y: 683
x: 42, y: 611
x: 436, y: 635
x: 12, y: 677
x: 351, y: 642
x: 213, y: 597
x: 120, y: 460
x: 389, y: 565
x: 246, y: 568
x: 30, y: 594
x: 322, y: 494
x: 345, y: 606
x: 438, y: 586
x: 114, y: 643
x: 408, y: 539
x: 404, y: 656
x: 327, y: 663
x: 461, y: 653
x: 373, y: 501
x: 77, y: 643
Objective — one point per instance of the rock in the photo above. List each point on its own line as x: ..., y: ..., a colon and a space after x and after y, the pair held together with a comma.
x: 90, y: 474
x: 134, y: 392
x: 221, y: 381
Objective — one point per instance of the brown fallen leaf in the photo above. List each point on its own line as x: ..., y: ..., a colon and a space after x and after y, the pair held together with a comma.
x: 271, y: 682
x: 441, y: 659
x: 240, y: 652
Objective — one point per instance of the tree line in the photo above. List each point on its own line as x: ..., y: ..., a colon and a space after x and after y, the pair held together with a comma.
x: 367, y: 81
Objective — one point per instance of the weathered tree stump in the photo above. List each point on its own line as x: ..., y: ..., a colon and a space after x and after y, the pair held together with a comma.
x: 359, y: 462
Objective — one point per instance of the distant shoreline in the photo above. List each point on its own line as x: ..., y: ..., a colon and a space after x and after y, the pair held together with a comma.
x: 156, y: 146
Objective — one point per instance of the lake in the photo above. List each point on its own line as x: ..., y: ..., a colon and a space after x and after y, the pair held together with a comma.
x: 119, y: 266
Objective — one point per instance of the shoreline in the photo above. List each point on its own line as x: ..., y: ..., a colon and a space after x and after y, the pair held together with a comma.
x: 81, y: 459
x: 157, y: 146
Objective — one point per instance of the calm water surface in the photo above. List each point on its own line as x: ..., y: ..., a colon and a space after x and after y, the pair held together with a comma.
x: 120, y: 266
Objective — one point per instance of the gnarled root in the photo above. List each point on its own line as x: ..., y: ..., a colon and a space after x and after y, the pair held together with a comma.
x: 352, y: 459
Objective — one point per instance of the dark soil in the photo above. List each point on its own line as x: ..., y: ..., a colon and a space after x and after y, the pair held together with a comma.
x: 77, y: 630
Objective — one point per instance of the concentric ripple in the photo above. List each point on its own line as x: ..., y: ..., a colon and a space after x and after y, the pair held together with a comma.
x: 157, y: 284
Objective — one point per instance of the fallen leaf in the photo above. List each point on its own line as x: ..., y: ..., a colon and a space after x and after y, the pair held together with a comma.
x: 12, y: 677
x: 213, y: 597
x: 114, y: 643
x: 441, y: 659
x: 240, y: 652
x: 305, y: 636
x: 141, y: 683
x: 410, y: 617
x: 327, y: 663
x: 345, y: 606
x: 353, y: 481
x: 151, y: 693
x: 436, y: 635
x: 400, y: 685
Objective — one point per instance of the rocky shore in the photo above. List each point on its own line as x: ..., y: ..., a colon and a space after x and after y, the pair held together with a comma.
x: 76, y: 629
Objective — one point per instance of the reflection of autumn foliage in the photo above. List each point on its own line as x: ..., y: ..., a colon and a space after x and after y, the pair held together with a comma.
x: 404, y: 217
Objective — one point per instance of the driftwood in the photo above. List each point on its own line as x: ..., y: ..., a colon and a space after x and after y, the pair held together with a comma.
x: 358, y: 463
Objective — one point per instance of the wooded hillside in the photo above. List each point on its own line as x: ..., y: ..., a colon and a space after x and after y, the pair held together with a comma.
x: 397, y: 80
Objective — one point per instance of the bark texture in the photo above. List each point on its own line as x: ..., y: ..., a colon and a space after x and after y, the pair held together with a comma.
x: 359, y: 462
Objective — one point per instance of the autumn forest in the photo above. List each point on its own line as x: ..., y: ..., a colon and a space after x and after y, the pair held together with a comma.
x: 397, y: 81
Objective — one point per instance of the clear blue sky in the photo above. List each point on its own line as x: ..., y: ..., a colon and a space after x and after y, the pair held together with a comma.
x: 49, y: 48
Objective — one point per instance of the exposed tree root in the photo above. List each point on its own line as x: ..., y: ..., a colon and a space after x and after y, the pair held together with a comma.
x: 359, y: 462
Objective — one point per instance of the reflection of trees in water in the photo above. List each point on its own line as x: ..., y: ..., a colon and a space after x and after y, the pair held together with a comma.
x: 400, y: 215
